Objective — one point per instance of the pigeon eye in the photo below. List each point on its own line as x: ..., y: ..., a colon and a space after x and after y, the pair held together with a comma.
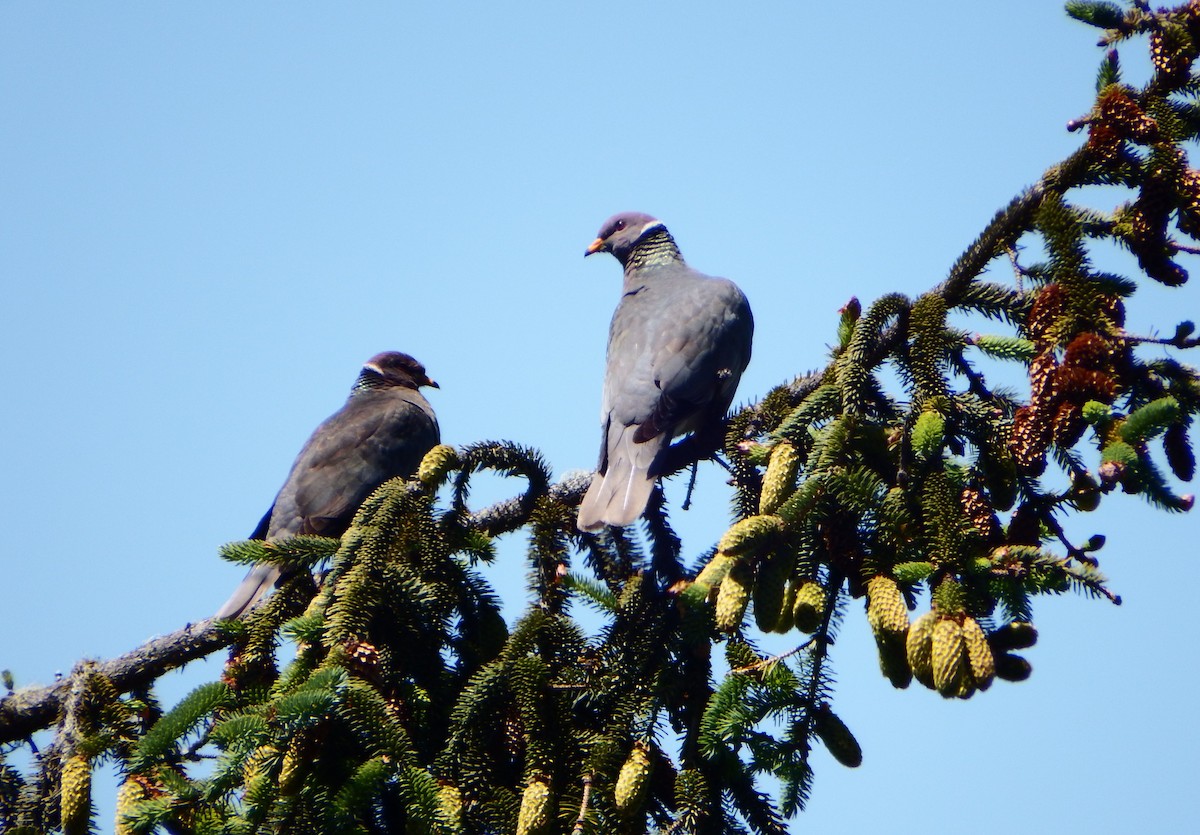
x: 620, y: 225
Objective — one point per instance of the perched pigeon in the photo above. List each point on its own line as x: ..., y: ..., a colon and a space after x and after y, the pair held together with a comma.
x: 383, y: 431
x: 677, y: 346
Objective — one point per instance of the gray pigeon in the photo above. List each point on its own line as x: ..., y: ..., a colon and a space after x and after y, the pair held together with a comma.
x: 383, y: 431
x: 677, y: 346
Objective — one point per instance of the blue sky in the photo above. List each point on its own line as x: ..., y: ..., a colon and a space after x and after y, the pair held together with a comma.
x: 211, y: 215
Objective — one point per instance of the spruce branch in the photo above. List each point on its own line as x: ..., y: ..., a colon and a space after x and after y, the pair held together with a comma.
x: 406, y: 671
x: 31, y: 709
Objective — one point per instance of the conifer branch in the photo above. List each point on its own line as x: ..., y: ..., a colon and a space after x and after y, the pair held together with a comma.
x: 33, y: 708
x: 426, y: 712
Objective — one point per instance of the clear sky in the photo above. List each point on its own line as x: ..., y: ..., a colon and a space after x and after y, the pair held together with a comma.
x: 212, y: 214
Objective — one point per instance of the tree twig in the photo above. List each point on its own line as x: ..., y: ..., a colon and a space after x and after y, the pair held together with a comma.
x: 583, y: 805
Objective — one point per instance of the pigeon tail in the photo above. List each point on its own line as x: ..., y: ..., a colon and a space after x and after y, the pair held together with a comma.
x: 259, y: 581
x: 618, y: 496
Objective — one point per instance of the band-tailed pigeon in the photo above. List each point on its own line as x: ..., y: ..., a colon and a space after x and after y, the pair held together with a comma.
x: 677, y: 346
x: 383, y: 431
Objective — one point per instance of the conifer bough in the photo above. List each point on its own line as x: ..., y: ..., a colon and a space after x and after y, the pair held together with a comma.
x: 412, y: 706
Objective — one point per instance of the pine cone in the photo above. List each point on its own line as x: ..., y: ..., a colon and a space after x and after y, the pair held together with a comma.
x: 1104, y: 142
x: 131, y: 792
x: 886, y: 610
x: 770, y: 591
x: 787, y: 609
x: 1068, y: 424
x: 713, y: 572
x: 1012, y: 667
x: 809, y: 609
x: 733, y: 597
x: 436, y: 465
x: 1013, y: 635
x: 950, y: 663
x: 920, y: 648
x: 291, y: 770
x: 536, y: 806
x: 1025, y: 526
x: 1048, y: 307
x: 1085, y: 492
x: 1041, y: 379
x: 837, y: 737
x: 76, y: 782
x: 750, y: 535
x: 780, y: 478
x: 1172, y: 53
x: 1089, y: 350
x: 259, y: 763
x: 1081, y: 385
x: 450, y: 806
x: 1126, y: 116
x: 1031, y: 435
x: 633, y: 781
x: 1147, y: 241
x: 362, y: 656
x: 979, y: 654
x: 979, y: 510
x: 1188, y: 187
x: 1178, y: 448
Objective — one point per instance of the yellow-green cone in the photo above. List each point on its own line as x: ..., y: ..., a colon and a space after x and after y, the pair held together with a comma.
x: 837, y: 737
x: 436, y: 465
x: 1012, y: 667
x: 130, y: 793
x: 770, y: 589
x: 733, y: 596
x: 979, y: 654
x: 76, y: 794
x: 886, y: 610
x: 536, y: 803
x: 290, y: 771
x: 787, y: 617
x: 893, y: 659
x: 633, y: 781
x: 779, y: 481
x: 919, y: 647
x: 258, y: 763
x: 949, y: 657
x: 714, y: 571
x: 1014, y: 635
x: 450, y: 806
x: 887, y: 613
x: 749, y: 535
x: 809, y: 609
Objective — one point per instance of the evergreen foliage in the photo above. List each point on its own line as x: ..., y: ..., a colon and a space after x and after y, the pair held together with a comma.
x: 409, y: 706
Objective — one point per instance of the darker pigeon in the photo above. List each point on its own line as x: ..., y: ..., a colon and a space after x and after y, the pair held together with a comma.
x: 677, y: 346
x: 383, y: 431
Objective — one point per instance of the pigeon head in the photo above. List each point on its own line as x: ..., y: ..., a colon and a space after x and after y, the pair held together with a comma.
x: 391, y: 369
x: 621, y: 234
